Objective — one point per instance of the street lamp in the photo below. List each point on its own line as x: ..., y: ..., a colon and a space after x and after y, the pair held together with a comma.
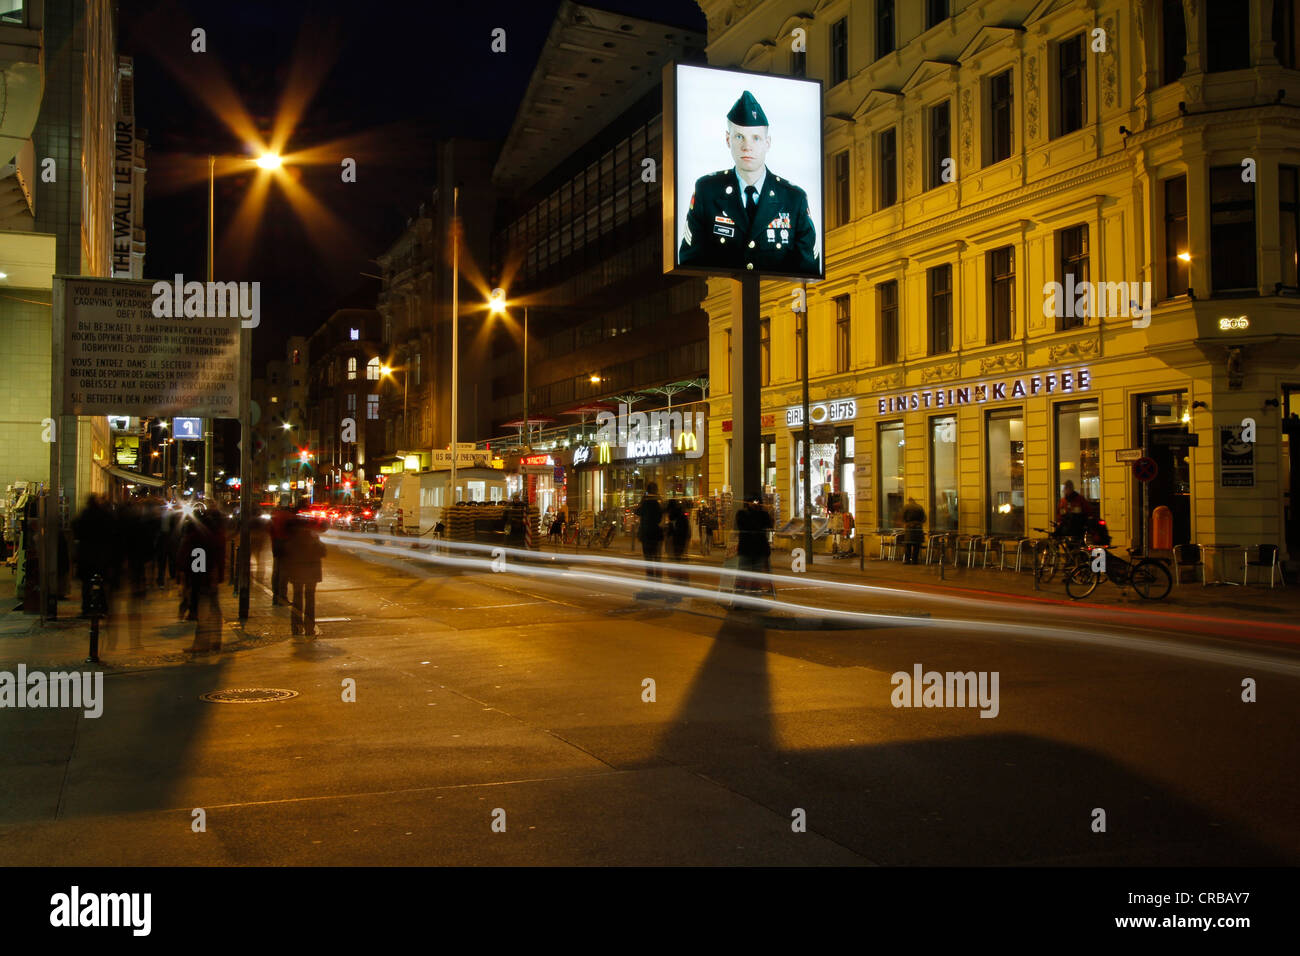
x: 497, y: 305
x: 388, y: 370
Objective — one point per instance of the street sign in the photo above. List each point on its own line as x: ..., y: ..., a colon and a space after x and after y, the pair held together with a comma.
x: 1176, y: 438
x: 187, y: 428
x: 1128, y: 454
x: 1144, y: 469
x: 1159, y: 410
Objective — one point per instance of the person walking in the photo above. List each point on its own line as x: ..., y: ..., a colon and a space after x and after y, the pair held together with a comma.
x: 753, y: 549
x: 914, y: 530
x: 94, y: 531
x: 650, y: 515
x: 707, y: 520
x: 303, y: 552
x: 281, y: 519
x: 679, y: 537
x: 203, y: 563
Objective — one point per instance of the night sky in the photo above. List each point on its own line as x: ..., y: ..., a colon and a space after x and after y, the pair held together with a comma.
x: 388, y: 81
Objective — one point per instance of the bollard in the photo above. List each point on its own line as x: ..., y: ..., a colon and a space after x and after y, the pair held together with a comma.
x: 98, y: 608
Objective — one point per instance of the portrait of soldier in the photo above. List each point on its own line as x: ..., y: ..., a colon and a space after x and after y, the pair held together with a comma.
x: 748, y: 217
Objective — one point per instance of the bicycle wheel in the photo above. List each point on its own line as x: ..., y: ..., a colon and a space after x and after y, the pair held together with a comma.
x: 1046, y: 557
x: 1151, y: 580
x: 1081, y: 582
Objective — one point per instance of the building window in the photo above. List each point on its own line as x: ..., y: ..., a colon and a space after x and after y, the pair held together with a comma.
x: 1177, y: 256
x: 1002, y: 294
x: 1289, y: 217
x: 887, y: 174
x: 1284, y: 32
x: 1073, y: 271
x: 839, y: 51
x: 1228, y: 26
x: 936, y: 11
x: 891, y: 475
x: 1001, y: 117
x: 372, y: 370
x: 1070, y: 84
x: 940, y: 282
x: 354, y: 334
x: 842, y: 210
x: 799, y: 63
x: 943, y: 473
x: 1078, y: 458
x: 884, y: 28
x: 887, y: 297
x: 1005, y: 436
x: 1232, y: 232
x: 843, y: 334
x: 352, y: 368
x: 352, y: 401
x: 372, y: 407
x: 1173, y: 41
x: 297, y: 355
x: 728, y: 360
x: 767, y: 461
x: 940, y: 144
x: 764, y: 351
x: 418, y: 356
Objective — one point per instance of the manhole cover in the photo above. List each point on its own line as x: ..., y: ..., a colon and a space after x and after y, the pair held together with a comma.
x: 248, y: 695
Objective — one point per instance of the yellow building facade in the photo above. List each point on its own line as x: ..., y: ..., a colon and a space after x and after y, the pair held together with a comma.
x: 1059, y: 236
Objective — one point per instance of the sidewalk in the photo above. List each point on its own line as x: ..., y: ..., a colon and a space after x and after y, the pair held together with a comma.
x: 1280, y: 605
x: 157, y: 637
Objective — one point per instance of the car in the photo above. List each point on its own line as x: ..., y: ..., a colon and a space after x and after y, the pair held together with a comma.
x: 366, y: 518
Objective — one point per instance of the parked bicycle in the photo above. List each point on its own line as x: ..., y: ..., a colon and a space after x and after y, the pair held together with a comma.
x: 1147, y: 576
x: 1059, y: 551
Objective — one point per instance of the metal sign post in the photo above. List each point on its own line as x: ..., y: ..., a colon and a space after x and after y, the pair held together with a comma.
x: 807, y: 440
x: 746, y: 398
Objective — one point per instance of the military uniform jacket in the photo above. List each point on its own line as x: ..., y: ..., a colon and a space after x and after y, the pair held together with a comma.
x: 779, y: 237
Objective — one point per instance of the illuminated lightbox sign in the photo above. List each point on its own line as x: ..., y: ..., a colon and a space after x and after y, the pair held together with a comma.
x: 649, y: 449
x: 1234, y: 323
x: 1066, y: 381
x: 824, y: 412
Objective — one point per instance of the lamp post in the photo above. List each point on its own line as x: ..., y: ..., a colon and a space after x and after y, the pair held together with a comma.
x: 498, y: 306
x: 406, y: 373
x: 455, y: 334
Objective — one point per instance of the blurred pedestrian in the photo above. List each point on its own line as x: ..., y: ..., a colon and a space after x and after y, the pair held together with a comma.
x: 679, y: 537
x: 203, y: 562
x: 753, y: 549
x: 95, y: 533
x: 303, y: 551
x: 281, y: 519
x: 650, y: 516
x: 913, y: 531
x: 707, y: 520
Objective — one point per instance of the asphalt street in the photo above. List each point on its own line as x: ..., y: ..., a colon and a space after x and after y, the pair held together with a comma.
x: 519, y: 697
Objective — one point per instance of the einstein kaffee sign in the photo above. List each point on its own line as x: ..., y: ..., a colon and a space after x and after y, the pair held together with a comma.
x: 1058, y: 382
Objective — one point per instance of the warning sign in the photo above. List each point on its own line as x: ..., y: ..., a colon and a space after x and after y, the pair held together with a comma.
x: 120, y: 359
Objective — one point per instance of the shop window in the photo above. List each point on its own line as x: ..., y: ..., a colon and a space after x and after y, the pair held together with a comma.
x: 1072, y: 244
x: 891, y: 474
x: 1002, y: 294
x: 940, y: 145
x: 1173, y: 41
x: 1289, y: 222
x: 1001, y: 117
x: 824, y: 468
x: 887, y: 297
x: 1177, y: 257
x: 943, y: 473
x: 887, y: 169
x: 1232, y: 232
x: 1005, y: 437
x: 846, y: 487
x: 1227, y: 26
x: 767, y: 460
x: 940, y: 282
x: 1078, y: 461
x: 1071, y: 102
x: 839, y: 51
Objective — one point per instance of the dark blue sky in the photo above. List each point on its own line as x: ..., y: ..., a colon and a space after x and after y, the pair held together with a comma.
x: 397, y: 77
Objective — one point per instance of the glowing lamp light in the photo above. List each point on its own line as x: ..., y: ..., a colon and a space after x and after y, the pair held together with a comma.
x: 270, y: 161
x: 1184, y: 256
x: 385, y: 370
x: 497, y: 301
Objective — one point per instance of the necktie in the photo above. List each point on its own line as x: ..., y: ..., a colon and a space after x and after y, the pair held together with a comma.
x: 750, y: 201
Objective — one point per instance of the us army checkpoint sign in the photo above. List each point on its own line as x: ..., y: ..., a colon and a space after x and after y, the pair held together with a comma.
x: 118, y: 358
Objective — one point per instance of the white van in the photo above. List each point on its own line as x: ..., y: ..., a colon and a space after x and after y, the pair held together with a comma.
x: 413, y: 500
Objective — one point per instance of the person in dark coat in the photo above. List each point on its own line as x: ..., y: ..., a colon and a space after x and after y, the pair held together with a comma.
x: 95, y: 532
x: 707, y: 521
x: 281, y: 519
x: 303, y: 552
x: 650, y: 515
x: 913, y: 531
x: 203, y: 564
x: 753, y: 549
x: 679, y: 536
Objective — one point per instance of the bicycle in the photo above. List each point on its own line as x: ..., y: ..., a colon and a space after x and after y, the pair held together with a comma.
x: 1147, y: 576
x: 1056, y: 552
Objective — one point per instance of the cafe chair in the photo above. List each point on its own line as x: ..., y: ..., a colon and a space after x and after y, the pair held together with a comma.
x: 1265, y: 557
x: 890, y: 542
x: 1188, y: 556
x: 1018, y: 547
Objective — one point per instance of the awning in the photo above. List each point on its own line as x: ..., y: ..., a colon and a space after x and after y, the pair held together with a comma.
x: 135, y: 478
x: 591, y: 408
x: 519, y: 422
